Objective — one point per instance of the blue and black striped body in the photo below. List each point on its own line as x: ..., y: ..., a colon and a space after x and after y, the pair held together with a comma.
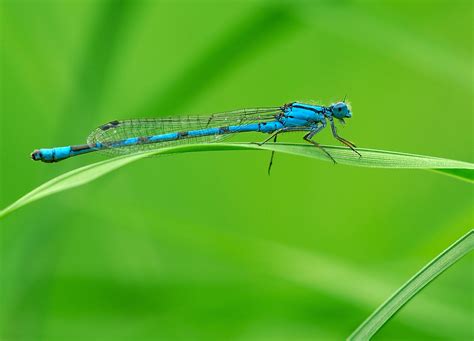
x: 119, y: 135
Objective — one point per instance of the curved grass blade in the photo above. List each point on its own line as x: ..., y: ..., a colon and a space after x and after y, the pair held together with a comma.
x: 403, y: 295
x: 267, y: 25
x: 370, y: 158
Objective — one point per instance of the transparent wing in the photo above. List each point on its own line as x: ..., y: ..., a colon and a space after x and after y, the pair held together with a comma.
x: 116, y: 131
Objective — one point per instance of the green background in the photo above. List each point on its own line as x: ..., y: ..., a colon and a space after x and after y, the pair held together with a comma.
x: 207, y: 246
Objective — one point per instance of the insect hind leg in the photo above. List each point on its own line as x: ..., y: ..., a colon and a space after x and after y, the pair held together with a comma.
x: 343, y: 140
x: 308, y: 137
x: 271, y: 157
x: 272, y: 136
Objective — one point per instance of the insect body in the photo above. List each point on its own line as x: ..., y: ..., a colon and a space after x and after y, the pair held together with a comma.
x: 128, y: 136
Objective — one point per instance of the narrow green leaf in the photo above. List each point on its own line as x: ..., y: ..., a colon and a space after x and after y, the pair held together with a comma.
x: 102, y: 45
x: 267, y: 25
x: 370, y: 158
x: 403, y: 295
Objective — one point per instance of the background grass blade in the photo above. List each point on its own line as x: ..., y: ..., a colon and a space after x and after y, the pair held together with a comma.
x: 108, y: 27
x: 258, y: 31
x: 371, y: 158
x: 401, y: 297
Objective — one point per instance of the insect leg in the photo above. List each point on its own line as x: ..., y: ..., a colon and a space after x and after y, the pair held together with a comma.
x: 271, y: 157
x: 343, y: 140
x: 308, y: 137
x: 273, y: 135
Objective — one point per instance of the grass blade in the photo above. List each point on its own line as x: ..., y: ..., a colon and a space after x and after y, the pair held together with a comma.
x: 266, y: 26
x: 371, y: 158
x: 403, y: 295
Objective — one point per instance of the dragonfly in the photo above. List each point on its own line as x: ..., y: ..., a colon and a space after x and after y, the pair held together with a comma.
x: 135, y: 135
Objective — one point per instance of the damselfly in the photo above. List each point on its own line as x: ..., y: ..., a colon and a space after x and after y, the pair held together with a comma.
x: 128, y: 136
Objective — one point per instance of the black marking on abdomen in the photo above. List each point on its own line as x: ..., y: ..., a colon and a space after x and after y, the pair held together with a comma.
x: 182, y: 134
x: 260, y: 124
x: 143, y: 139
x: 224, y: 130
x: 109, y: 125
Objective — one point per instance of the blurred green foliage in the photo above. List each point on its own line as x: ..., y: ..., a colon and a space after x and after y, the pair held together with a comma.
x: 206, y: 245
